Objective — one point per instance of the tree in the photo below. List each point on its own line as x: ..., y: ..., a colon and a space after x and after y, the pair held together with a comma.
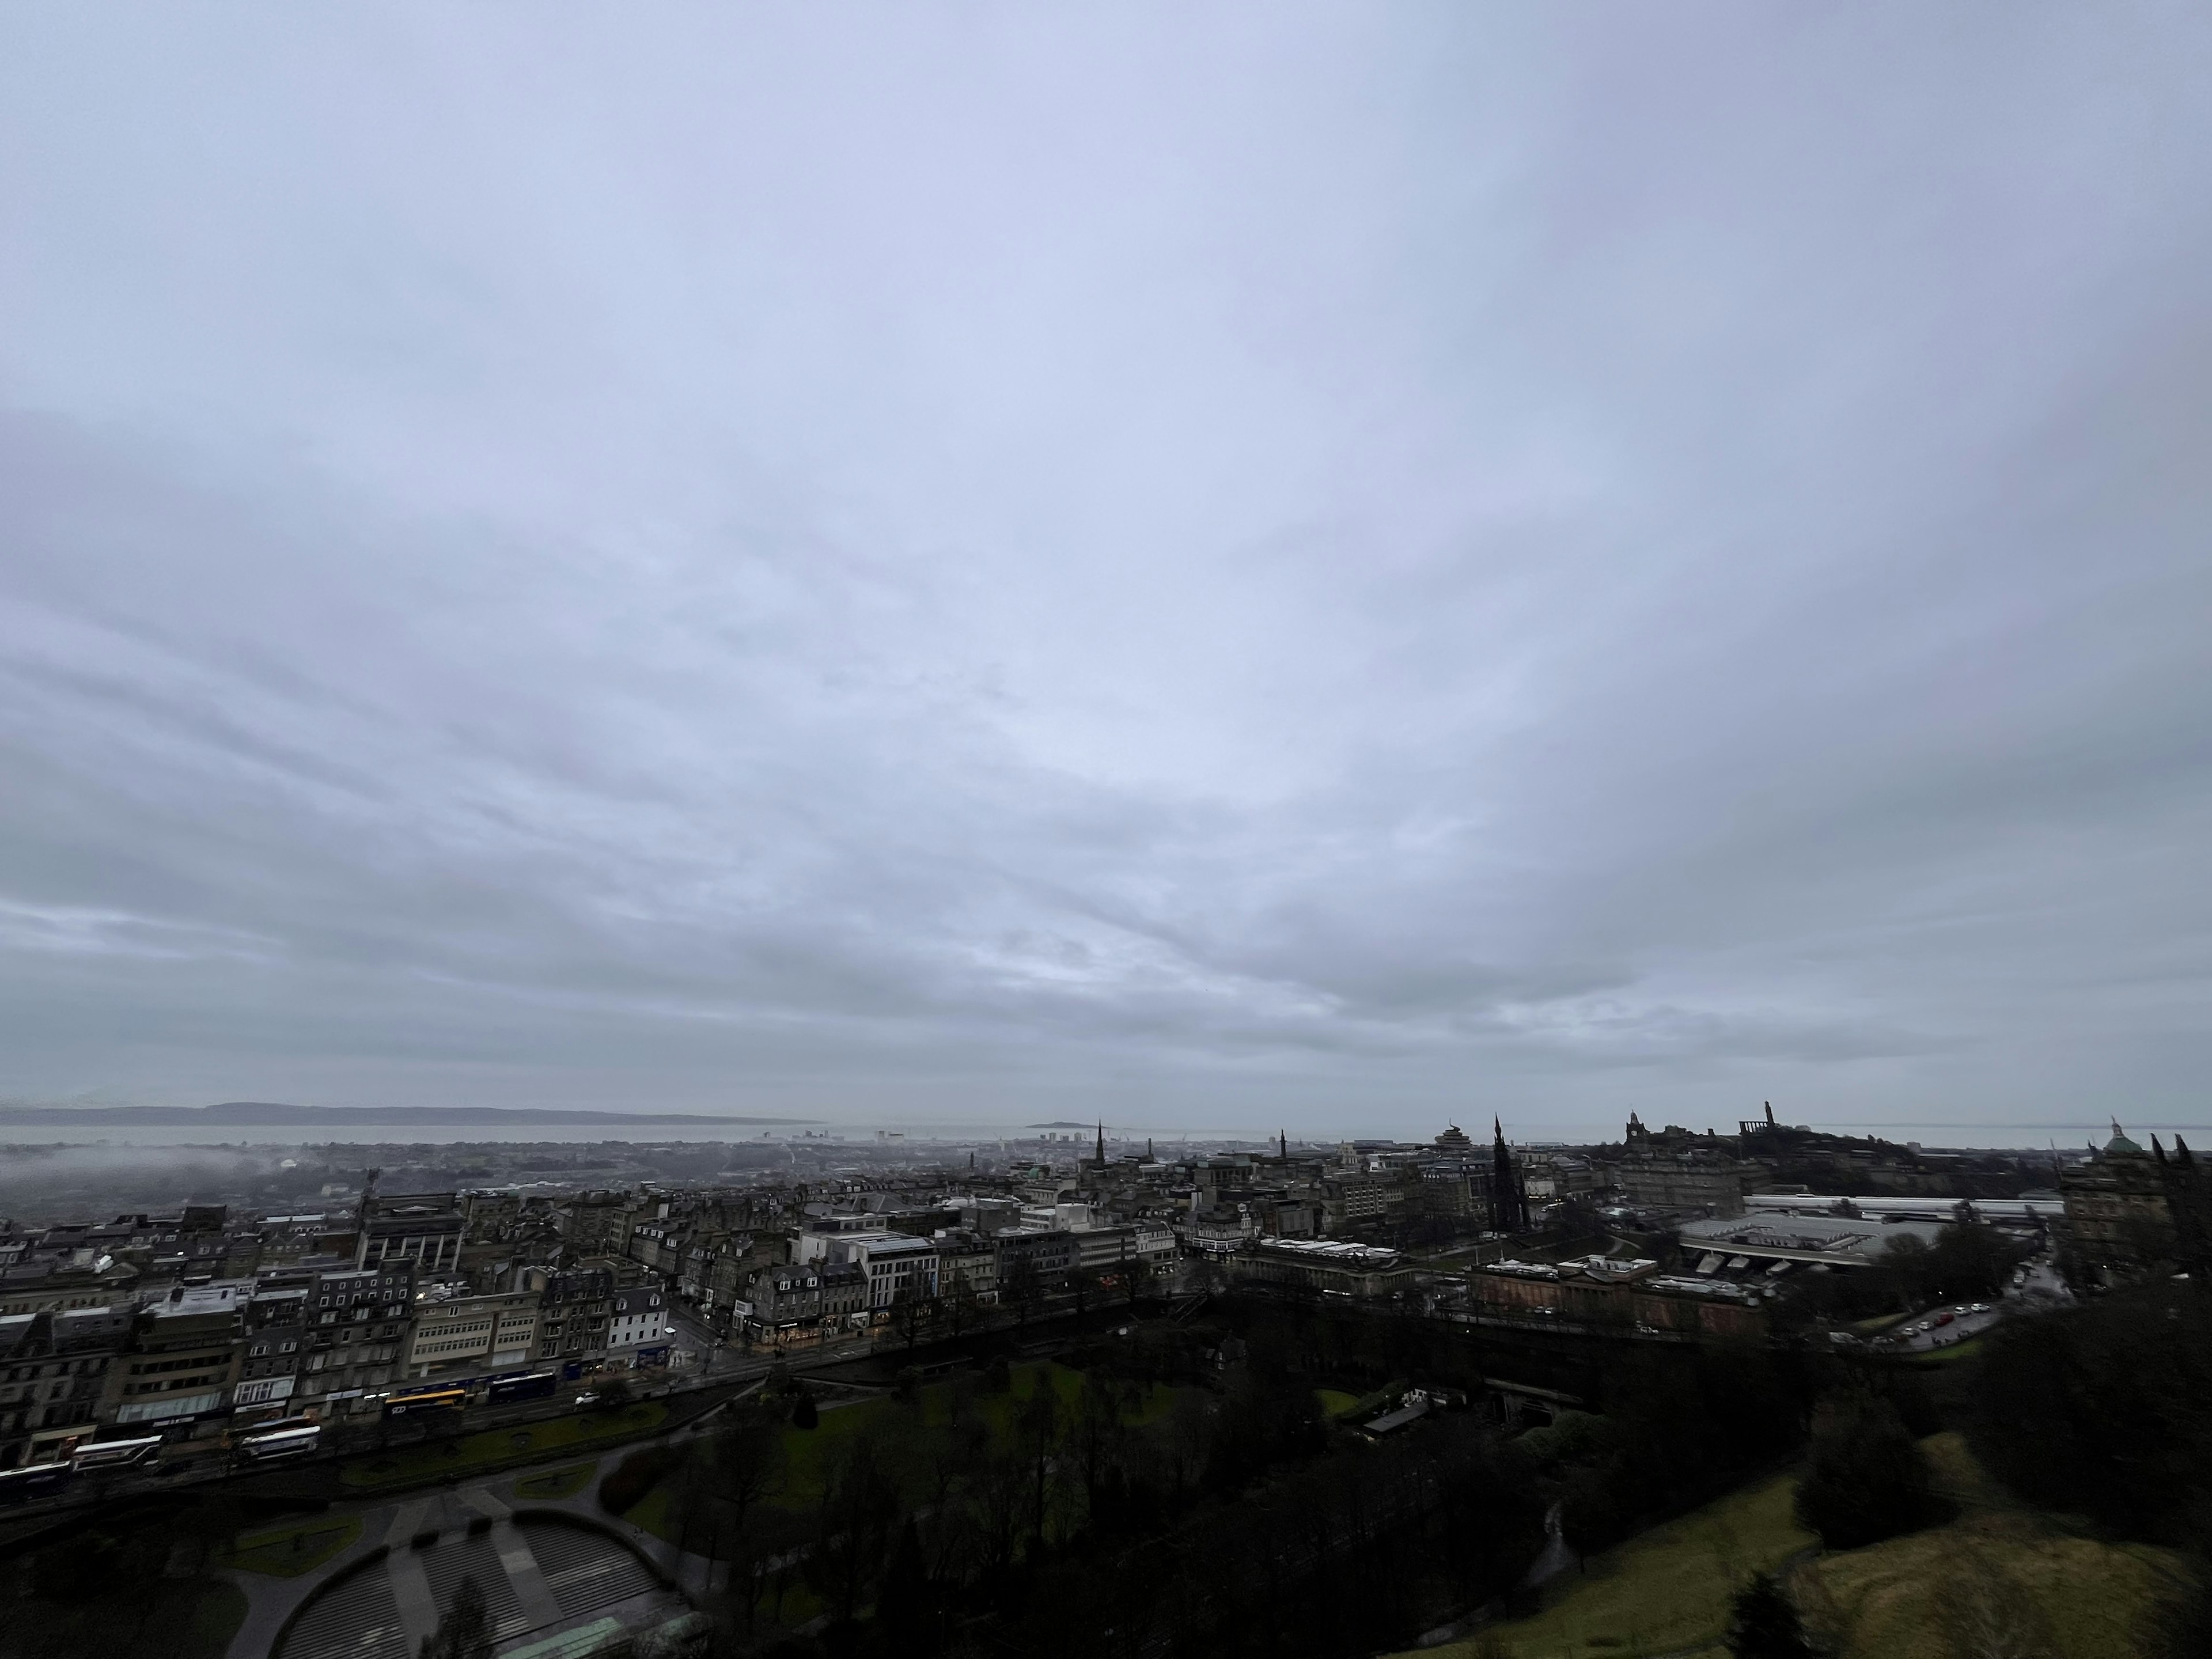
x: 1764, y: 1625
x: 1970, y: 1262
x: 1084, y: 1281
x: 742, y: 1464
x: 912, y: 1312
x: 1037, y: 1426
x: 1136, y: 1279
x: 2105, y: 1408
x: 464, y: 1630
x: 859, y: 1505
x: 803, y: 1415
x: 958, y: 1302
x: 1023, y: 1287
x: 1867, y: 1479
x: 907, y: 1606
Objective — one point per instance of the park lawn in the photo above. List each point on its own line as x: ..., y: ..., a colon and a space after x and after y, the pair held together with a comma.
x: 1666, y: 1590
x: 290, y: 1551
x: 556, y: 1483
x: 1334, y: 1402
x: 493, y: 1447
x: 174, y: 1619
x: 2076, y: 1596
x: 1880, y: 1323
x: 809, y: 1453
x: 1955, y: 1353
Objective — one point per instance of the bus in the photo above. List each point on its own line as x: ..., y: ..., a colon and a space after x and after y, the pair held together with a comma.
x: 529, y: 1385
x: 35, y: 1480
x: 116, y: 1454
x: 450, y: 1397
x: 276, y: 1443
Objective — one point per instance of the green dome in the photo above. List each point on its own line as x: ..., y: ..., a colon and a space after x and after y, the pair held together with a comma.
x: 2119, y: 1142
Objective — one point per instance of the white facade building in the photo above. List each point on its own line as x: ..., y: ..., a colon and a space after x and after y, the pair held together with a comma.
x: 638, y: 1330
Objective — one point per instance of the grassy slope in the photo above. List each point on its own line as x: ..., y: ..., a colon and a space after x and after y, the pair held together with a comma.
x: 556, y: 1483
x: 1667, y: 1591
x: 176, y: 1620
x: 2081, y: 1598
x: 287, y: 1552
x: 493, y: 1447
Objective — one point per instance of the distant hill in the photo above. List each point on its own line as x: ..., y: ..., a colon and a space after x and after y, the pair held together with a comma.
x: 264, y: 1114
x: 1059, y: 1126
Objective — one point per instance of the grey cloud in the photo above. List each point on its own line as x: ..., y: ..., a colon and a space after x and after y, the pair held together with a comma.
x: 1328, y: 567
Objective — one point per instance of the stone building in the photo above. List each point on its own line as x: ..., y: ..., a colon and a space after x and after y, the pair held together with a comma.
x: 2120, y: 1209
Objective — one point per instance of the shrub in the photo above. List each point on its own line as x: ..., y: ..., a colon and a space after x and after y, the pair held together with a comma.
x: 1763, y: 1625
x: 625, y: 1488
x: 1867, y: 1479
x: 803, y: 1415
x: 2104, y: 1409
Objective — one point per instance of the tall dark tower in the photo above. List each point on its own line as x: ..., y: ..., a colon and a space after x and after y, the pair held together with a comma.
x: 1102, y: 1143
x: 1509, y: 1208
x: 1283, y: 1142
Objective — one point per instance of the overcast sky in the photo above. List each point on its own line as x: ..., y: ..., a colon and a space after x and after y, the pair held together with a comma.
x: 1345, y: 566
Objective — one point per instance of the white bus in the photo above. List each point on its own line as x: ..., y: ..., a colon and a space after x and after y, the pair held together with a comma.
x: 282, y: 1443
x: 115, y: 1454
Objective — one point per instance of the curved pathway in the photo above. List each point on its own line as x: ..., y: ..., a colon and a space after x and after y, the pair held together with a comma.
x: 559, y: 1575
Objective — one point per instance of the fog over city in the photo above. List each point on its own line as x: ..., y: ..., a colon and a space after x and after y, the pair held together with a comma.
x: 1339, y: 567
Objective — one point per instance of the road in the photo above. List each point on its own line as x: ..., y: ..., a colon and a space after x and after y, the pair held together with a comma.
x: 2038, y: 1291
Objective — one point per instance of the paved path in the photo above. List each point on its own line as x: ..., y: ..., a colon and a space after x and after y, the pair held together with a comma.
x: 392, y: 1523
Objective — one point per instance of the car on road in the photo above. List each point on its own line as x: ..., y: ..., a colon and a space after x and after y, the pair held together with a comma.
x: 589, y: 1397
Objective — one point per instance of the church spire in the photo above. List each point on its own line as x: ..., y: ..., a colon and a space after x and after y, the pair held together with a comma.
x: 1102, y: 1143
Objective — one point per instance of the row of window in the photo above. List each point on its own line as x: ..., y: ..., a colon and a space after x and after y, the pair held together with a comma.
x: 174, y: 1383
x: 152, y: 1366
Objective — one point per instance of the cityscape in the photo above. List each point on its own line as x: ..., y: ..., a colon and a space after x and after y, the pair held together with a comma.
x: 962, y: 830
x: 533, y: 1414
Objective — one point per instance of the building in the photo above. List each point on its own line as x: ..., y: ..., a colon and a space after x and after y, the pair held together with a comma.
x: 1623, y: 1295
x: 55, y: 1373
x: 66, y: 1286
x: 1782, y: 1242
x: 423, y: 1230
x: 1040, y: 1259
x: 2120, y: 1216
x: 1144, y: 1244
x: 595, y: 1223
x: 183, y: 1357
x: 638, y: 1330
x: 357, y: 1331
x: 969, y: 1260
x: 780, y: 1302
x: 1696, y: 1181
x: 1328, y: 1267
x: 277, y: 1321
x: 575, y: 1313
x: 895, y: 1265
x: 469, y: 1336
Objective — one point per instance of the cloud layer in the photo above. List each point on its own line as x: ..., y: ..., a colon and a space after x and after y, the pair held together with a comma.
x: 1340, y: 567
